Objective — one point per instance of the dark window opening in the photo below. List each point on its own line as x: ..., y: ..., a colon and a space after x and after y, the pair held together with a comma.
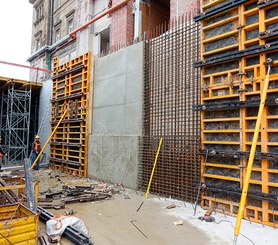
x: 154, y: 13
x: 104, y: 40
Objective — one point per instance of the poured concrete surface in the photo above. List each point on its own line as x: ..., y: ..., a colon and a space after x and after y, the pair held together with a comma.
x: 109, y: 223
x: 117, y: 116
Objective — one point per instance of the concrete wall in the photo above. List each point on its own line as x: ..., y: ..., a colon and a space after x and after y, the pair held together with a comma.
x: 45, y: 115
x: 117, y: 117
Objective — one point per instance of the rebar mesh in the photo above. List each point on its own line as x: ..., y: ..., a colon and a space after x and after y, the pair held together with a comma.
x: 171, y: 89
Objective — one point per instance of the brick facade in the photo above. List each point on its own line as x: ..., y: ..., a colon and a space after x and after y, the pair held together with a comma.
x: 180, y: 7
x: 122, y: 24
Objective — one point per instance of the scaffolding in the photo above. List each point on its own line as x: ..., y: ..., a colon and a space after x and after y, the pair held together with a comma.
x: 15, y: 121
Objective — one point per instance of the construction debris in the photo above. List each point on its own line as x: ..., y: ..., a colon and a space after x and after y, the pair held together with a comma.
x: 61, y: 189
x: 75, y: 194
x: 56, y: 226
x: 43, y: 240
x: 207, y: 218
x: 132, y: 222
x: 70, y: 232
x: 171, y: 206
x: 179, y: 222
x: 209, y: 212
x: 69, y: 212
x: 7, y: 196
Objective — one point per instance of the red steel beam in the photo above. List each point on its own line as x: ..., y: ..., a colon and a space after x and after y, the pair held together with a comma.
x: 25, y: 66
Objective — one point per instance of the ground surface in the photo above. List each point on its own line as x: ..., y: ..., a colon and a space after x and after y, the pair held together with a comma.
x: 109, y: 221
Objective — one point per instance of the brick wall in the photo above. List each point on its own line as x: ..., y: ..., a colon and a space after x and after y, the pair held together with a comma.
x: 122, y: 24
x: 179, y: 7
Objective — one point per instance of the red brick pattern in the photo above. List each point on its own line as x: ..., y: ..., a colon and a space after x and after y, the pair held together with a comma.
x: 180, y: 7
x: 122, y: 24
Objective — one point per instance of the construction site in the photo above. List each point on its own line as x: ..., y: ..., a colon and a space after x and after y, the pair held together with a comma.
x: 143, y: 122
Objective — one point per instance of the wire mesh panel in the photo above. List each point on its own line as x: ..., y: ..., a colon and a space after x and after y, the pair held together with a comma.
x: 171, y: 89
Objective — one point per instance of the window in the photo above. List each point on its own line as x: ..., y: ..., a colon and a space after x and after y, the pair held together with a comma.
x: 70, y: 18
x: 104, y: 40
x: 39, y: 12
x: 57, y: 35
x: 70, y: 25
x: 58, y: 2
x: 38, y: 40
x: 38, y: 43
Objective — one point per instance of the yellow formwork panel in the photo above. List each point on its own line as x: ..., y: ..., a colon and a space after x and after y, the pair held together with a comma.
x: 18, y: 224
x: 71, y: 87
x: 230, y: 98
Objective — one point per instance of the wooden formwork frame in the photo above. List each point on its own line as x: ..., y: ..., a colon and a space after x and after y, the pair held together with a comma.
x: 71, y: 90
x: 18, y: 184
x: 236, y: 84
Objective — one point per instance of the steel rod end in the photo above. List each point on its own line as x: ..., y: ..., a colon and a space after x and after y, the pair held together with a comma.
x: 235, y: 240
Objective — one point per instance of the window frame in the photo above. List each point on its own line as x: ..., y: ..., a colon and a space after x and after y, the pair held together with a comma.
x: 39, y: 12
x: 58, y: 3
x: 70, y: 27
x: 57, y: 31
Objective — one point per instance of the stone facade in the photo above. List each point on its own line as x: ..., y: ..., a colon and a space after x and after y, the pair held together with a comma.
x: 54, y: 19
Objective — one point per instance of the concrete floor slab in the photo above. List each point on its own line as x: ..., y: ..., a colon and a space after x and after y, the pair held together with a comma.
x: 109, y: 221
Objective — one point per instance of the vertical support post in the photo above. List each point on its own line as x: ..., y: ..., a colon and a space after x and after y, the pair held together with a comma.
x: 46, y: 143
x: 137, y: 20
x: 28, y: 120
x: 37, y: 191
x: 251, y: 156
x: 29, y: 186
x: 154, y: 165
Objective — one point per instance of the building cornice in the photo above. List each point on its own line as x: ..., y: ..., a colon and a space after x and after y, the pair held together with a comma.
x: 48, y: 48
x: 39, y: 52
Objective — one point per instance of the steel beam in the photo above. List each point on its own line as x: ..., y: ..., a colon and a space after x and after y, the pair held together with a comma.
x: 71, y: 233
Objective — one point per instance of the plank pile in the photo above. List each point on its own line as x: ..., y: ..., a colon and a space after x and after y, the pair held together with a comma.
x: 75, y: 194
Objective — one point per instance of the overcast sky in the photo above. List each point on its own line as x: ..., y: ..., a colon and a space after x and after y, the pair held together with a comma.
x: 15, y: 38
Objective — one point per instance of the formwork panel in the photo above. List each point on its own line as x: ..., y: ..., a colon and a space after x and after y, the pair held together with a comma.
x: 71, y: 85
x: 232, y: 81
x: 18, y: 224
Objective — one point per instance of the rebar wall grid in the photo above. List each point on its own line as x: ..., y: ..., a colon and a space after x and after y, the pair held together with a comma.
x: 71, y: 86
x: 237, y: 39
x: 171, y: 89
x: 15, y: 122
